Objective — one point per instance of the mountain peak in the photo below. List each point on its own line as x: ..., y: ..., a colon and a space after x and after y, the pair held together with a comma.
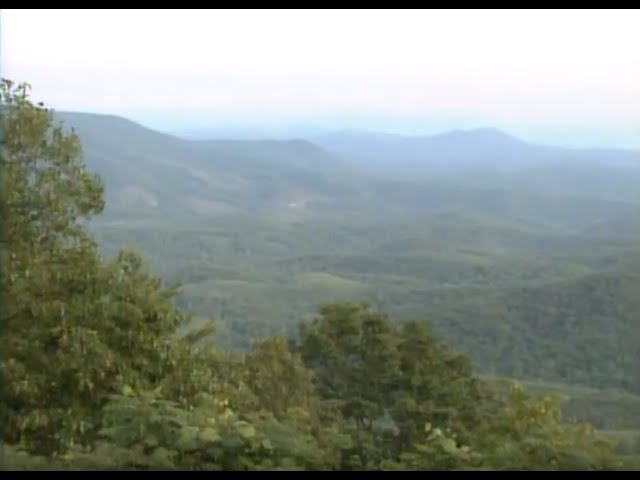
x: 482, y: 134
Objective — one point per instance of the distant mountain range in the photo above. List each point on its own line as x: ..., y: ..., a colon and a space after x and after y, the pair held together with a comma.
x: 356, y: 174
x: 462, y: 150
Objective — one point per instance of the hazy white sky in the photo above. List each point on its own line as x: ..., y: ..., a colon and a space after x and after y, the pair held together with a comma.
x: 568, y: 70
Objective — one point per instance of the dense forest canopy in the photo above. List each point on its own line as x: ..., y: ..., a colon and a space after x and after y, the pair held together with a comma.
x: 101, y: 370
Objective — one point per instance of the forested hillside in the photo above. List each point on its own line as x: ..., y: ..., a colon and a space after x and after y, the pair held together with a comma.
x: 526, y: 246
x: 102, y: 367
x: 489, y: 238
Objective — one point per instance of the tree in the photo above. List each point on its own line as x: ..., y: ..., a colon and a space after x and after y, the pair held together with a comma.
x: 278, y: 378
x: 527, y: 433
x: 74, y: 329
x: 387, y: 383
x: 353, y: 354
x: 436, y: 387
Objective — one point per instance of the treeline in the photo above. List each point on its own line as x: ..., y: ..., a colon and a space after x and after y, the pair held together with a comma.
x: 95, y: 375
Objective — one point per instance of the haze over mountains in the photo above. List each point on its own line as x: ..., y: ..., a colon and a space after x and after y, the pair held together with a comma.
x: 353, y: 172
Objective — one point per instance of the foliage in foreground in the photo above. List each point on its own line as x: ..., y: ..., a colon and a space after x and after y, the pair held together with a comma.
x: 95, y: 377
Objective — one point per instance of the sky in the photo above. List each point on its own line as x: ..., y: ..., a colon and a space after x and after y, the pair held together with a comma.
x: 554, y: 76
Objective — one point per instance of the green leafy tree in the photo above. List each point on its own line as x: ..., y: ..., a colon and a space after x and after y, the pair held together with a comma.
x: 353, y: 354
x: 528, y: 434
x: 435, y: 387
x: 278, y: 378
x: 74, y: 329
x: 387, y: 383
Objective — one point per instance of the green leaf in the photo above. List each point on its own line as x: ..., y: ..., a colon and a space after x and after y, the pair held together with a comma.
x: 188, y: 439
x: 448, y: 445
x: 209, y: 435
x: 162, y: 458
x: 246, y: 430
